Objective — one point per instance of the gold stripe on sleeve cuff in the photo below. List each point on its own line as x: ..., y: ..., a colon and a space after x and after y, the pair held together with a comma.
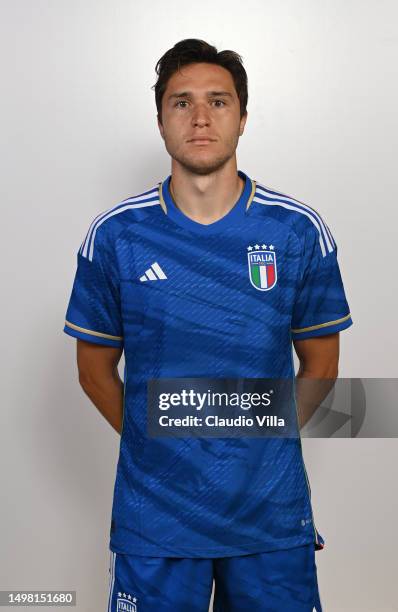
x: 92, y: 333
x: 328, y: 324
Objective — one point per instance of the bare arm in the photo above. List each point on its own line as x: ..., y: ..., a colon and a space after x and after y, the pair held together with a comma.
x: 317, y: 373
x: 100, y: 380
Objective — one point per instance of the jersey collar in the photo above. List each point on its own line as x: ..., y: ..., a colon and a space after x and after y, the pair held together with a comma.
x: 234, y: 216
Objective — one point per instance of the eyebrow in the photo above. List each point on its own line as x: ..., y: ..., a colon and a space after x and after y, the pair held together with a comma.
x: 187, y: 94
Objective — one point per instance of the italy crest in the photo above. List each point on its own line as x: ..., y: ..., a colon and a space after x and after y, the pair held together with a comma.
x: 262, y: 266
x: 126, y: 603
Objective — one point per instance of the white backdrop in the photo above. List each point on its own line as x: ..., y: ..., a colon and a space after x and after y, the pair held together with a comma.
x: 79, y: 133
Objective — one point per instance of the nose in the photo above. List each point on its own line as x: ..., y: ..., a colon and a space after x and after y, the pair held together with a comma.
x: 200, y: 116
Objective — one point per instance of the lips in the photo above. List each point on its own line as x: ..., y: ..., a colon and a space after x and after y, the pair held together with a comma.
x: 201, y: 140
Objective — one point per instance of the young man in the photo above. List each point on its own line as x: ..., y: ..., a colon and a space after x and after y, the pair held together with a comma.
x: 209, y: 274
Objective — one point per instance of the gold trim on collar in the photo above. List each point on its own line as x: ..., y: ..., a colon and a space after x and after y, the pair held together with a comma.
x: 251, y: 196
x: 161, y: 199
x: 249, y: 201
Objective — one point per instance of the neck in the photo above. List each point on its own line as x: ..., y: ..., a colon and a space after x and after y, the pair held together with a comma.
x: 206, y: 198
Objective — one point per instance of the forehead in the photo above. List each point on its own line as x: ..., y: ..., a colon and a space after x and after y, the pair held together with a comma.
x: 201, y: 76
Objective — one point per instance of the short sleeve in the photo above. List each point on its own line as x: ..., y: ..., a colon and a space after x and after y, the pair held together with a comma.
x: 320, y: 306
x: 94, y: 312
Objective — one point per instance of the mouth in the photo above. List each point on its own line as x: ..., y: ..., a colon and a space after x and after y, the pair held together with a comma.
x: 199, y: 141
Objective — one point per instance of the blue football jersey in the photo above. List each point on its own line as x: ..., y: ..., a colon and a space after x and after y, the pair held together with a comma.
x: 188, y: 300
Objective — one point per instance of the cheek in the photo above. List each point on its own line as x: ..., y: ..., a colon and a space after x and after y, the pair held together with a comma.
x: 176, y: 129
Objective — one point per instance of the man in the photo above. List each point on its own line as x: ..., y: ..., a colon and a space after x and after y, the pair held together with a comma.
x: 207, y: 275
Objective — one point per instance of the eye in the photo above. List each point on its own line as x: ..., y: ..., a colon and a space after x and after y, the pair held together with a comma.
x: 186, y: 102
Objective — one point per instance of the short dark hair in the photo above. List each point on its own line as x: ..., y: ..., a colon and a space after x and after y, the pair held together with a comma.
x: 194, y: 50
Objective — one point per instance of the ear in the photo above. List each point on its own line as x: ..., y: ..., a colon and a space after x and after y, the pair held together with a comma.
x: 242, y: 124
x: 160, y: 126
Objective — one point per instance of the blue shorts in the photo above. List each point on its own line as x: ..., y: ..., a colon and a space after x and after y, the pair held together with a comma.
x: 277, y: 581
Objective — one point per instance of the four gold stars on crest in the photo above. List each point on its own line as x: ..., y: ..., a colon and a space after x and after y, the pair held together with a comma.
x: 127, y: 596
x: 263, y: 246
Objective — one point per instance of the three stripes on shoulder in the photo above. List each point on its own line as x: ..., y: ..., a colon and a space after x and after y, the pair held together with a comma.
x: 154, y: 272
x: 263, y: 195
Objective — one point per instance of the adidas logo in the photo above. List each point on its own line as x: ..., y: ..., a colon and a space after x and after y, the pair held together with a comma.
x: 155, y: 272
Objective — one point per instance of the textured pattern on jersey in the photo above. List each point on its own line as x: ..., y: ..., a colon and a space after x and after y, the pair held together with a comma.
x: 282, y: 580
x: 198, y: 497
